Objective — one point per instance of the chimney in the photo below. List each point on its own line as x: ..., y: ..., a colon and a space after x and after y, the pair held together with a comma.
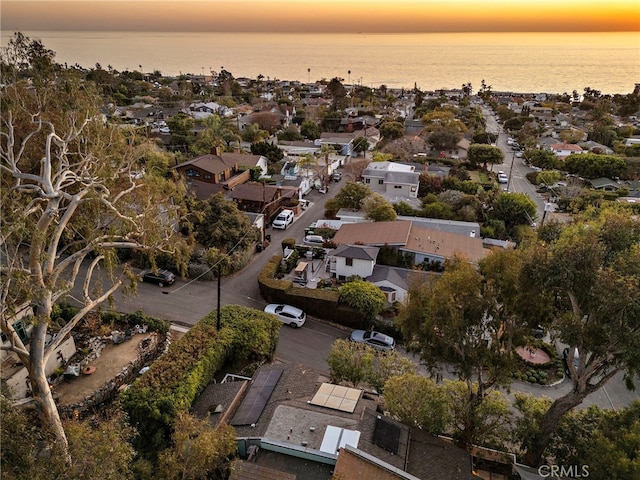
x: 217, y: 150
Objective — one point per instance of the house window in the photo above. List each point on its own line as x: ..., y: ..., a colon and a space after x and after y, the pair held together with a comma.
x: 348, y: 262
x: 367, y: 180
x: 21, y: 330
x: 380, y: 181
x: 207, y: 176
x: 192, y: 172
x: 397, y: 186
x: 223, y: 176
x: 413, y: 189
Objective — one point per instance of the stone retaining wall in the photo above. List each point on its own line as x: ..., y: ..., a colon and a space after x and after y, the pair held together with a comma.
x: 150, y: 349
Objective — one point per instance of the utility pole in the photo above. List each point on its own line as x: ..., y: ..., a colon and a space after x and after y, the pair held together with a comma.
x: 513, y: 156
x: 219, y: 276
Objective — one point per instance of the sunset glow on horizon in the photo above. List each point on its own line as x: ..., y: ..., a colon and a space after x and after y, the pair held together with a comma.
x: 318, y: 16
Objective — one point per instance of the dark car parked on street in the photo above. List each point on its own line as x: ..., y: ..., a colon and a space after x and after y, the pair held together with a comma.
x: 159, y: 277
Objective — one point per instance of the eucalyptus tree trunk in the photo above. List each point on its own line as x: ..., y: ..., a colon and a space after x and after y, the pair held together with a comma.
x: 548, y: 425
x: 40, y: 388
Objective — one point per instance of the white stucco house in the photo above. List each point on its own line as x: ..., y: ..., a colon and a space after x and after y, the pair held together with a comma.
x: 392, y: 180
x: 563, y: 150
x: 348, y: 260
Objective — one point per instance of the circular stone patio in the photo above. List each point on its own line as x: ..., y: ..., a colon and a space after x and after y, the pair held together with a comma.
x: 533, y: 355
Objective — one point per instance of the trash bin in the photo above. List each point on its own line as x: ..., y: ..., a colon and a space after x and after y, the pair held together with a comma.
x: 259, y: 247
x: 267, y: 238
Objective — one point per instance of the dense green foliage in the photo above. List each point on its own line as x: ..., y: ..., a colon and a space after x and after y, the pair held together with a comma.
x: 176, y: 378
x: 219, y: 223
x: 480, y: 154
x: 591, y: 165
x: 356, y: 363
x: 99, y: 447
x: 365, y: 297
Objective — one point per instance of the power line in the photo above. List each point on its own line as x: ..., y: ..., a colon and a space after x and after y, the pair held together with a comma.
x: 219, y: 262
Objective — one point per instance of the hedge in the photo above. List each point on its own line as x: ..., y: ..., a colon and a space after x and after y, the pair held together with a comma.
x: 176, y: 379
x: 318, y: 302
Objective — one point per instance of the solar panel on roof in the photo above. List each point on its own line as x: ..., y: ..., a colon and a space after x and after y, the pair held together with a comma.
x: 387, y: 435
x: 257, y: 397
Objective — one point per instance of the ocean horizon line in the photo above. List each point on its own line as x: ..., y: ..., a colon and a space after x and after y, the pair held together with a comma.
x: 508, y: 62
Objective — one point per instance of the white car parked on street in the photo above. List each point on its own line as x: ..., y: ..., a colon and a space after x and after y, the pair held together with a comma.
x: 287, y: 314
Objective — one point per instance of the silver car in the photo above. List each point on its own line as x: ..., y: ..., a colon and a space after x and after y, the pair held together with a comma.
x: 292, y: 316
x: 374, y: 339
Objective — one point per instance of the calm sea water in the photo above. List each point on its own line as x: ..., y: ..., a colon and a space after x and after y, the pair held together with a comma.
x: 518, y: 62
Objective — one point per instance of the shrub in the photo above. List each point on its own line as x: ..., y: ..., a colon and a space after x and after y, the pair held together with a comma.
x: 288, y: 243
x: 201, y: 271
x: 154, y: 324
x: 111, y: 317
x: 155, y: 399
x: 63, y: 311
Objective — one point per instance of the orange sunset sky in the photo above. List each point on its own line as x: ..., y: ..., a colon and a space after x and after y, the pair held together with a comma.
x: 346, y: 16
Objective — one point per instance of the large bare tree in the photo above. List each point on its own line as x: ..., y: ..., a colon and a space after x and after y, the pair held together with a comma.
x: 69, y: 200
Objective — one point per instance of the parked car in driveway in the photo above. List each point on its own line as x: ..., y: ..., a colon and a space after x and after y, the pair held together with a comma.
x: 314, y: 240
x: 283, y: 220
x: 374, y: 339
x: 159, y: 277
x: 292, y: 316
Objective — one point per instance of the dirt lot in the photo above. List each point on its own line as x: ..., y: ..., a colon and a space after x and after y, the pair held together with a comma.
x: 112, y: 360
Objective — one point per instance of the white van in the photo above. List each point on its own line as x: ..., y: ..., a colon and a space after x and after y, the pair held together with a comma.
x: 314, y: 240
x: 283, y: 220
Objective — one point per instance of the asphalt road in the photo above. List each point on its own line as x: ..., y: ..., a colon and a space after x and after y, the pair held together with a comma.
x: 186, y: 302
x: 513, y: 166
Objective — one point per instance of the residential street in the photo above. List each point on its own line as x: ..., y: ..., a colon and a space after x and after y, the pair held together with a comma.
x: 185, y: 303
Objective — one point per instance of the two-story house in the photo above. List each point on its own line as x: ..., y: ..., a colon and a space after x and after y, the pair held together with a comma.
x: 349, y: 260
x: 217, y: 171
x: 395, y: 181
x: 261, y: 198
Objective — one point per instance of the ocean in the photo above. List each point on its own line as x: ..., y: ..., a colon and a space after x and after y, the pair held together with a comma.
x: 514, y: 62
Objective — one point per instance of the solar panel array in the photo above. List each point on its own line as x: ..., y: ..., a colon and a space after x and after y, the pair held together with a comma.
x: 387, y: 435
x: 257, y: 397
x: 337, y: 397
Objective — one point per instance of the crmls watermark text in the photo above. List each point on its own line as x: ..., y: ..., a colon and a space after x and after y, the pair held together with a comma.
x: 557, y: 471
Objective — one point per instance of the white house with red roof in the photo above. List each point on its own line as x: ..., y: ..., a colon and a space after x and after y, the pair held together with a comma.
x: 563, y: 150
